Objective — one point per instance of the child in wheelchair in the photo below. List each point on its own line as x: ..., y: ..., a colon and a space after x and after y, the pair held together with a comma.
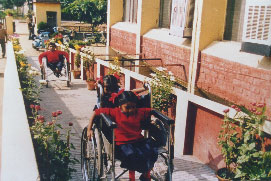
x: 55, y: 59
x: 134, y: 151
x: 110, y: 84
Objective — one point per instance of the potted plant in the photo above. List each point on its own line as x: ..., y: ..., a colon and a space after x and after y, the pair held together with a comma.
x: 77, y: 63
x: 88, y: 64
x: 244, y: 144
x: 161, y: 85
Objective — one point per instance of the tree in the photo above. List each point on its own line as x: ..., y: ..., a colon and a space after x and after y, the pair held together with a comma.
x: 7, y: 4
x: 18, y: 3
x: 89, y: 11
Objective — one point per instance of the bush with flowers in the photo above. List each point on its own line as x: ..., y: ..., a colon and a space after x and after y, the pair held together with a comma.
x: 115, y: 67
x: 244, y: 144
x: 161, y: 84
x: 53, y: 147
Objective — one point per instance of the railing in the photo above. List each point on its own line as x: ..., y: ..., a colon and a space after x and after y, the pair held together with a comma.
x: 18, y: 161
x: 183, y: 99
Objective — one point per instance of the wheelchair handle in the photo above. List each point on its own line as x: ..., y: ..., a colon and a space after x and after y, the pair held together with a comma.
x: 108, y: 121
x: 162, y: 117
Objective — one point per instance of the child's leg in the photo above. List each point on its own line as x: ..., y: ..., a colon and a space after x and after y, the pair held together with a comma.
x: 60, y: 65
x: 131, y: 175
x: 52, y: 66
x: 146, y: 176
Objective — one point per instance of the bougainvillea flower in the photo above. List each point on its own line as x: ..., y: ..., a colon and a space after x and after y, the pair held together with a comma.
x: 50, y: 123
x: 59, y: 112
x: 32, y: 106
x: 70, y: 124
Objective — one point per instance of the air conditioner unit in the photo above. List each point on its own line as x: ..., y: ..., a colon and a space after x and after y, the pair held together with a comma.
x: 257, y: 27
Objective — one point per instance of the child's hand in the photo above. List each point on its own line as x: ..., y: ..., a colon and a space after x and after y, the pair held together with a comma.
x: 89, y: 134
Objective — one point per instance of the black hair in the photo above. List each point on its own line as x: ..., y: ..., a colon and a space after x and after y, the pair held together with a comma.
x: 112, y: 82
x: 52, y: 44
x: 126, y: 96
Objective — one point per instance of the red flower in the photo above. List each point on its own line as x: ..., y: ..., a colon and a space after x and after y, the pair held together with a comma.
x: 253, y: 103
x: 40, y: 117
x: 253, y: 110
x: 59, y: 112
x: 258, y: 113
x: 70, y: 124
x: 37, y: 107
x: 238, y: 109
x: 32, y: 106
x: 226, y: 110
x: 233, y: 106
x: 260, y: 105
x: 54, y: 114
x: 50, y: 123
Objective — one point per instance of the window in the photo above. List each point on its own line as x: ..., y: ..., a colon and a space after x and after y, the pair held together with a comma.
x: 234, y: 20
x: 182, y: 13
x: 165, y: 9
x: 130, y: 11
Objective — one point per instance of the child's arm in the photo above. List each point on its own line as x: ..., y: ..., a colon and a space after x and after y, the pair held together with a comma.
x: 90, y: 132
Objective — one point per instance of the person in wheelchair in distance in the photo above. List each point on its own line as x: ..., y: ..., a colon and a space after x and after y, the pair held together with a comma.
x: 134, y: 151
x: 55, y: 59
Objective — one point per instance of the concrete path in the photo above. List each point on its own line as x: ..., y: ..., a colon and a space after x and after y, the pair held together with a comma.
x: 77, y: 102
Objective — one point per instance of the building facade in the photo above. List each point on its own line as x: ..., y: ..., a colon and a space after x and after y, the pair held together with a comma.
x: 220, y: 50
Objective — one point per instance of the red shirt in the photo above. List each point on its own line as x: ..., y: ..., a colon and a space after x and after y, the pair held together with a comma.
x: 128, y: 128
x: 53, y: 56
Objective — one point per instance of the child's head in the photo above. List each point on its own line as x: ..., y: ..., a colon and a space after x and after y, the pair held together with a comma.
x: 127, y: 101
x: 110, y: 84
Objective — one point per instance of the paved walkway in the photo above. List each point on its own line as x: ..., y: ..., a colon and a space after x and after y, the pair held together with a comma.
x: 77, y: 102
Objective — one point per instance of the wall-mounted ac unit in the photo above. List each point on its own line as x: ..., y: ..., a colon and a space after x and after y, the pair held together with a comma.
x: 257, y: 27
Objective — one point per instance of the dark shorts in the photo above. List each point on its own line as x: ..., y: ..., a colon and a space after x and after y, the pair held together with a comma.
x: 139, y: 156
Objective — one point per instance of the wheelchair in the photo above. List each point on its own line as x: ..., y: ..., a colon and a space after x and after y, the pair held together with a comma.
x: 46, y: 72
x: 98, y: 155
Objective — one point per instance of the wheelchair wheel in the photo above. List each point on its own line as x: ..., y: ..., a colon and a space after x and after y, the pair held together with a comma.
x: 91, y: 156
x: 68, y: 74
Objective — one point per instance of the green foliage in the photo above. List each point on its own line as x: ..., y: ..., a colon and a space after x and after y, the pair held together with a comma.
x: 89, y: 11
x: 77, y: 61
x: 42, y: 26
x: 2, y: 14
x: 161, y: 89
x: 7, y: 4
x: 18, y: 3
x: 53, y: 148
x: 242, y: 144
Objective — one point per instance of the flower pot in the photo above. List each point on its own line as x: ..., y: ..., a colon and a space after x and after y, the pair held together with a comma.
x: 76, y: 74
x: 222, y: 171
x: 91, y: 84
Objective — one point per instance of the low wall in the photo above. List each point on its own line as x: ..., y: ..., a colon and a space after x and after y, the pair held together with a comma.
x: 18, y: 157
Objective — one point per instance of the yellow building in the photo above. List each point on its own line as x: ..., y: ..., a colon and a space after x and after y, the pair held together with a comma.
x: 48, y: 11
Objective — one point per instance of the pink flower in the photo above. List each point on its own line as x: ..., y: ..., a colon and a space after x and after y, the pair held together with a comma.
x: 32, y: 106
x: 37, y: 107
x: 54, y: 114
x: 253, y: 110
x: 260, y: 105
x: 226, y: 110
x: 258, y: 113
x: 70, y: 124
x: 50, y: 123
x: 238, y: 109
x: 59, y: 112
x: 40, y: 117
x: 253, y: 103
x: 233, y: 106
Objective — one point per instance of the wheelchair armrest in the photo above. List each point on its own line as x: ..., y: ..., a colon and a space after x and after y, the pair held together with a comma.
x: 108, y: 121
x: 162, y: 117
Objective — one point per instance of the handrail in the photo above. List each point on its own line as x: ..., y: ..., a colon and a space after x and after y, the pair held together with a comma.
x: 18, y: 161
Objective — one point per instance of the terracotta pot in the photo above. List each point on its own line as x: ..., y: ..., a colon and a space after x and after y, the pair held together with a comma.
x: 91, y: 84
x: 76, y: 74
x: 219, y: 171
